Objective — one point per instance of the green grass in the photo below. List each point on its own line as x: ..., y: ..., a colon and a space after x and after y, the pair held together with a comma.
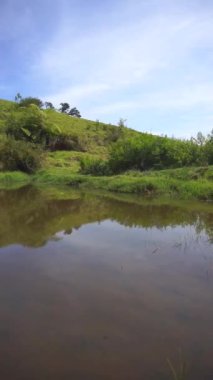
x: 146, y: 185
x: 156, y: 185
x: 66, y: 159
x: 185, y: 174
x: 14, y: 179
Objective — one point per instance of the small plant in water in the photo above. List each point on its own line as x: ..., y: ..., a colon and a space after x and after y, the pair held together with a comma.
x: 178, y: 373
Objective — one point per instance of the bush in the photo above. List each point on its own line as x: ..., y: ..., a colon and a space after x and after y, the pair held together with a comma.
x: 154, y: 152
x: 26, y: 102
x: 209, y: 151
x: 66, y: 142
x: 19, y: 155
x: 114, y: 133
x: 93, y: 166
x: 28, y: 124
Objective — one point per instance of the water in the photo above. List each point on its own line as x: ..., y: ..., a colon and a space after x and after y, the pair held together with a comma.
x: 104, y: 287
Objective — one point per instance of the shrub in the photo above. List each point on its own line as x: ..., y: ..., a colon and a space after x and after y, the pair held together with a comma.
x: 26, y: 102
x: 114, y: 133
x: 66, y: 142
x: 28, y: 124
x: 209, y: 151
x: 154, y: 152
x: 93, y: 166
x: 19, y: 155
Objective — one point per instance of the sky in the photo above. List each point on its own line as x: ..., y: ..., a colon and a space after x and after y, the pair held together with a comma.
x: 146, y: 61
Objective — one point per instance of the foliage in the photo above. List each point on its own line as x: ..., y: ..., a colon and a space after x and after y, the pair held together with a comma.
x: 61, y: 141
x: 74, y: 112
x: 28, y: 124
x: 208, y: 149
x: 93, y: 166
x: 19, y: 155
x: 149, y: 152
x: 154, y: 185
x: 64, y: 107
x: 49, y: 106
x: 122, y: 122
x: 26, y: 102
x: 114, y: 133
x: 18, y: 97
x: 13, y: 180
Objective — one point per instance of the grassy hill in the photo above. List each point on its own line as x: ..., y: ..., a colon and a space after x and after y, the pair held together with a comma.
x: 92, y: 140
x: 94, y: 134
x: 94, y: 137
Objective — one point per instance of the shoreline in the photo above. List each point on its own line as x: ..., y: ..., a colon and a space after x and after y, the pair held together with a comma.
x: 154, y: 184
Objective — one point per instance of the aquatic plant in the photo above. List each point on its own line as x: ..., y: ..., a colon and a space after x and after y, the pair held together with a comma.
x: 180, y: 372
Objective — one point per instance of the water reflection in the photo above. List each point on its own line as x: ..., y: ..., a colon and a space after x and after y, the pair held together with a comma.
x: 103, y: 287
x: 30, y: 216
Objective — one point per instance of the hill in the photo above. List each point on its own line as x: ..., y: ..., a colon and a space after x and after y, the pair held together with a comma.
x: 91, y: 137
x: 94, y: 135
x: 59, y: 149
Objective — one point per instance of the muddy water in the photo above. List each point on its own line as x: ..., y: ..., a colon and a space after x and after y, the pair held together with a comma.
x: 106, y: 288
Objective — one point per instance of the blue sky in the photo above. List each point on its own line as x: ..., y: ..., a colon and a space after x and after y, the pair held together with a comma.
x: 147, y: 61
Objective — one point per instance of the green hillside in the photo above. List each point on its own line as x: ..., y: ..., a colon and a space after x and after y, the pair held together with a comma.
x: 45, y: 146
x: 94, y: 136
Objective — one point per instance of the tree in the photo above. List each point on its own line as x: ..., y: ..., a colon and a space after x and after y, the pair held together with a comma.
x: 49, y: 106
x: 200, y: 139
x: 74, y: 112
x: 122, y: 122
x: 210, y: 136
x: 64, y: 107
x: 26, y: 102
x: 209, y: 148
x: 18, y: 97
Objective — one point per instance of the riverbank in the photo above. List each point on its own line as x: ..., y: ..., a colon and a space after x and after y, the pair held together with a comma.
x: 185, y: 183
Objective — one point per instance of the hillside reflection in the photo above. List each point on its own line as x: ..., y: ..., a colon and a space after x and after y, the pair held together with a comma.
x: 30, y: 216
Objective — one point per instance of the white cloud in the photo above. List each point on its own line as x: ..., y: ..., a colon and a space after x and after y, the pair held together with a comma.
x: 184, y: 97
x: 125, y: 54
x: 76, y: 93
x: 156, y: 61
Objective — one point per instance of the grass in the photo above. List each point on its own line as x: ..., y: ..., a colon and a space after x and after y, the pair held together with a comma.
x: 13, y: 179
x: 185, y: 174
x: 179, y: 372
x: 66, y: 159
x: 156, y: 185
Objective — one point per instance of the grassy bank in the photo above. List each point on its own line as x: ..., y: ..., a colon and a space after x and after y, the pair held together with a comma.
x: 186, y: 183
x: 14, y: 179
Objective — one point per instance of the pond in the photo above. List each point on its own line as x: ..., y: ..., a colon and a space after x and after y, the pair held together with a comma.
x: 107, y: 287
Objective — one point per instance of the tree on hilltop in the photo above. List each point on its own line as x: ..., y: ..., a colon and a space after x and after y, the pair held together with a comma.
x: 18, y: 97
x: 74, y: 112
x: 49, y: 106
x: 64, y: 107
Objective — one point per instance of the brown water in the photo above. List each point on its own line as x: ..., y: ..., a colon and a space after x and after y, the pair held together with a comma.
x: 98, y: 287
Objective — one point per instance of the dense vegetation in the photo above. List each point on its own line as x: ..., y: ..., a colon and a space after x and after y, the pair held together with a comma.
x: 59, y: 145
x: 152, y: 152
